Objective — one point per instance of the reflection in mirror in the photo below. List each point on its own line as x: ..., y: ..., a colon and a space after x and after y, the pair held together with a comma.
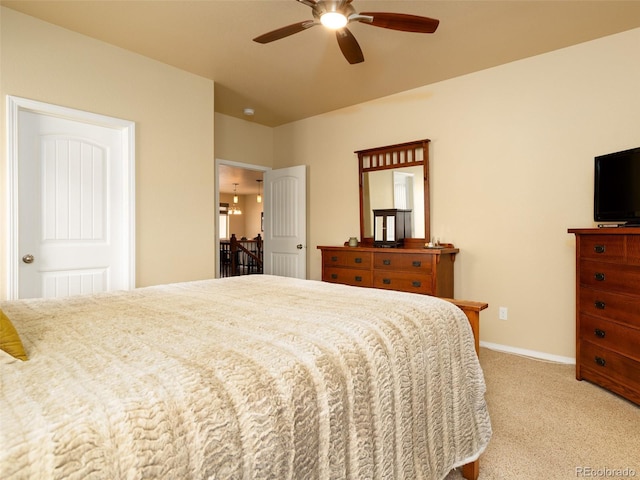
x: 401, y: 188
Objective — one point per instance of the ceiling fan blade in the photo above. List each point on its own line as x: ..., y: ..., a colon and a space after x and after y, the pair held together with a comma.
x: 284, y: 31
x: 349, y: 46
x: 401, y: 21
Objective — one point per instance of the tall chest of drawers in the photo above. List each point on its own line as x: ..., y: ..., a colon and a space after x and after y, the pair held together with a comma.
x: 608, y: 309
x: 426, y: 271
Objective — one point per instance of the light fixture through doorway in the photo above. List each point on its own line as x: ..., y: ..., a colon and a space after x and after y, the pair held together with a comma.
x: 259, y: 197
x: 234, y: 210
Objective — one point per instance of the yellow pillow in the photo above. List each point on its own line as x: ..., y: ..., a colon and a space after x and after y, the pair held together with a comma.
x: 9, y: 340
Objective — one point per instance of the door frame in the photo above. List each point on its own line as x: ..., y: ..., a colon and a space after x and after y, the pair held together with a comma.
x: 245, y: 166
x: 17, y: 104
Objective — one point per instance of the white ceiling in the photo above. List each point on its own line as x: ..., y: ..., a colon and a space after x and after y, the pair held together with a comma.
x: 305, y: 74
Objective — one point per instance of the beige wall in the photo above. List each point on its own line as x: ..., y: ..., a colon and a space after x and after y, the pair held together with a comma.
x: 252, y: 211
x: 512, y: 152
x: 173, y: 112
x: 243, y: 141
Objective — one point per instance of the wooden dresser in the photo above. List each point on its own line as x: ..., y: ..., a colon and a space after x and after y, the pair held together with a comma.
x: 426, y: 271
x: 608, y: 309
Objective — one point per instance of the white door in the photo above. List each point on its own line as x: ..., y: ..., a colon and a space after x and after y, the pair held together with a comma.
x: 74, y: 202
x: 285, y: 226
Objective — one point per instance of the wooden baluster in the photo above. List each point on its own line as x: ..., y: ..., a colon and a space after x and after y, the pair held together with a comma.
x: 234, y: 255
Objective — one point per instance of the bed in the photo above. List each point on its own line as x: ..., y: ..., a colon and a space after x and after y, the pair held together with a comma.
x: 254, y: 377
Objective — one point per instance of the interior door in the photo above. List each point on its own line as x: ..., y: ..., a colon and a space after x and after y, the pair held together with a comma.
x: 285, y: 226
x: 74, y: 228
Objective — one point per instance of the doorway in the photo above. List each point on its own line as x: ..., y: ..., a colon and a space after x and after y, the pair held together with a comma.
x: 284, y: 207
x: 244, y: 181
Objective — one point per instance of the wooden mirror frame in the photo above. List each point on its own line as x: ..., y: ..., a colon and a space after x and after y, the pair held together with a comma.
x: 396, y: 156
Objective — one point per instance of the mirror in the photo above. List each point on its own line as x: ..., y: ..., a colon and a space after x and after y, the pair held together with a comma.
x: 395, y: 176
x: 401, y: 188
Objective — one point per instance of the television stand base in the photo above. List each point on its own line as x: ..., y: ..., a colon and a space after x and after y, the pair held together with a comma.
x: 619, y: 225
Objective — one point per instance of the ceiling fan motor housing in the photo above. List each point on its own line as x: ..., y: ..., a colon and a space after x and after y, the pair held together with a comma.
x: 342, y: 7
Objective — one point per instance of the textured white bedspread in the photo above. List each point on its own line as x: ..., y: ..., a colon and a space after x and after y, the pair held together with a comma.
x: 254, y: 377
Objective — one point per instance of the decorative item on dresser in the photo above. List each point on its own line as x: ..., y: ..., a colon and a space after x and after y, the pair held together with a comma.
x: 391, y: 226
x: 608, y: 308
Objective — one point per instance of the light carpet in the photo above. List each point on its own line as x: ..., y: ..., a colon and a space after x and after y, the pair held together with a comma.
x: 547, y: 425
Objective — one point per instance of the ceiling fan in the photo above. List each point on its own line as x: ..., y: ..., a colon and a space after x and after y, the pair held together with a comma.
x: 336, y: 14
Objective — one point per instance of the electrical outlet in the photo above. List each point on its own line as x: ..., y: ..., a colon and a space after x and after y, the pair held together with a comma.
x: 502, y: 313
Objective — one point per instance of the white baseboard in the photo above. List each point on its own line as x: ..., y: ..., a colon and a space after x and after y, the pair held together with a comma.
x: 528, y: 353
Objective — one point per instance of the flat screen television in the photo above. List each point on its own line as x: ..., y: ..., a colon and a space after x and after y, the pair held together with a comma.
x: 617, y: 188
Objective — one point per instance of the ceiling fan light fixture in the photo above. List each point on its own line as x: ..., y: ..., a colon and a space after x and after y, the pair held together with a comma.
x: 333, y: 20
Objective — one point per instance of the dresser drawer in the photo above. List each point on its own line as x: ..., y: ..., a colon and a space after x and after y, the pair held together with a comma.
x: 609, y: 248
x: 633, y: 249
x: 347, y: 276
x: 609, y: 276
x: 611, y: 370
x: 402, y: 262
x: 610, y: 335
x: 613, y: 306
x: 346, y: 258
x: 406, y: 282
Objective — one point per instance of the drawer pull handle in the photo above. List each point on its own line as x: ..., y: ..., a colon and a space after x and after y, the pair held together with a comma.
x: 416, y: 284
x: 416, y: 263
x: 599, y: 248
x: 386, y: 281
x: 599, y: 277
x: 334, y: 276
x: 599, y: 333
x: 600, y: 304
x: 386, y: 262
x: 601, y: 361
x: 358, y: 260
x: 358, y: 278
x: 334, y: 258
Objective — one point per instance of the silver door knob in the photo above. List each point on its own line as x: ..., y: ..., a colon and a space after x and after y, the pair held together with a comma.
x: 28, y: 258
x: 299, y: 246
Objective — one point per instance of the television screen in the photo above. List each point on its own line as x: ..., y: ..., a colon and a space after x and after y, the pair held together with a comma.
x: 617, y: 187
